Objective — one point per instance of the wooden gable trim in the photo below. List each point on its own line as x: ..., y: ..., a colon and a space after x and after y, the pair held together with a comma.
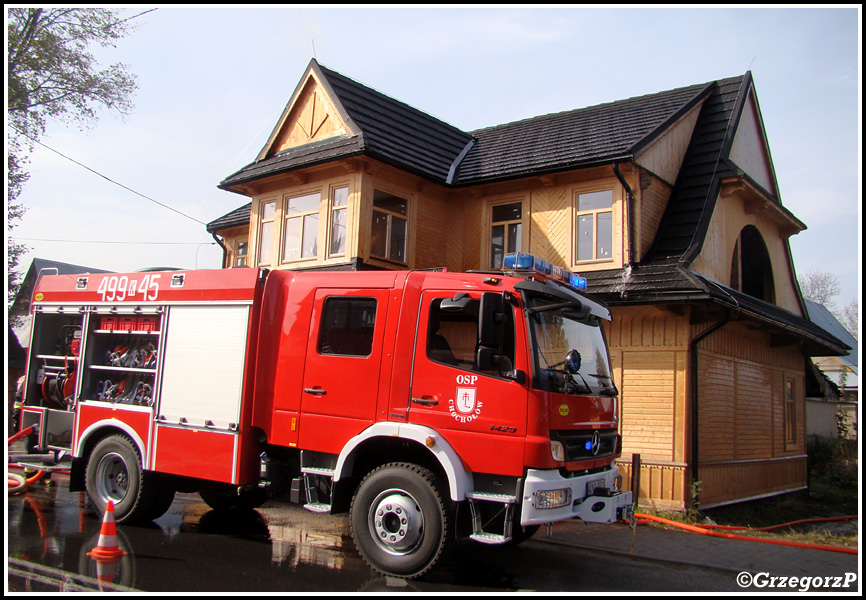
x: 756, y: 162
x: 757, y: 201
x: 312, y: 104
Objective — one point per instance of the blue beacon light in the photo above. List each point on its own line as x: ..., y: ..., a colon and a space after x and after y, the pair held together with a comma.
x: 521, y: 261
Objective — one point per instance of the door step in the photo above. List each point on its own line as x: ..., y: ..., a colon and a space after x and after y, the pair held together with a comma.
x: 313, y: 479
x: 503, y: 504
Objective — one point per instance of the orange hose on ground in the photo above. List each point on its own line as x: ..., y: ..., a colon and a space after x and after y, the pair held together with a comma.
x: 11, y: 480
x: 731, y: 536
x: 791, y: 523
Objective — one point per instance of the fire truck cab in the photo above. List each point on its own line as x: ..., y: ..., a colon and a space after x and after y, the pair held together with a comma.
x: 429, y: 405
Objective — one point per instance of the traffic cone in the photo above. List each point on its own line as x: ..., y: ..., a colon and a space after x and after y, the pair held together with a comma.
x: 106, y: 547
x: 105, y: 569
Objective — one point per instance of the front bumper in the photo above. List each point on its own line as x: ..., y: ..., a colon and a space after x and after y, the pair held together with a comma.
x: 592, y: 498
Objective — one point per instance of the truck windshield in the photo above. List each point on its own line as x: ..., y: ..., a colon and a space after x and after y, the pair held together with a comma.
x: 570, y: 354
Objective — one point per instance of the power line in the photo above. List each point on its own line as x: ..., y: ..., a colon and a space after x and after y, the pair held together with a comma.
x: 107, y: 178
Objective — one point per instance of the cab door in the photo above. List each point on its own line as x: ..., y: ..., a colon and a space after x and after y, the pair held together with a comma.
x: 341, y: 373
x: 481, y: 413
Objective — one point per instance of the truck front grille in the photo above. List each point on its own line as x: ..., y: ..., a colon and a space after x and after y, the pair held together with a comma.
x: 578, y: 443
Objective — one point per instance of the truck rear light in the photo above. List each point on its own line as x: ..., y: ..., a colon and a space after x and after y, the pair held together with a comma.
x: 552, y: 498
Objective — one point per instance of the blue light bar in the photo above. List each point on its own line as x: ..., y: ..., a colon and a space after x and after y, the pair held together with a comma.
x: 520, y: 261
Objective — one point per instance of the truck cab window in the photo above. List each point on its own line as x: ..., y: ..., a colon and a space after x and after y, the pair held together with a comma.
x: 347, y: 326
x: 452, y: 335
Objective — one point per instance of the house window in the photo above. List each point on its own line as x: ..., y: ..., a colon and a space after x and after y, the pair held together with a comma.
x: 266, y: 232
x: 389, y: 228
x: 302, y: 227
x: 506, y: 226
x: 241, y: 254
x: 594, y: 225
x: 751, y: 267
x: 790, y: 412
x: 339, y: 204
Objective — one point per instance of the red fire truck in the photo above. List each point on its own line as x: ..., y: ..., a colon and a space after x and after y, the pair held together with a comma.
x: 430, y: 405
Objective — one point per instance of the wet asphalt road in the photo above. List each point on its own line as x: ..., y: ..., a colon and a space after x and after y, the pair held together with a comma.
x: 283, y: 548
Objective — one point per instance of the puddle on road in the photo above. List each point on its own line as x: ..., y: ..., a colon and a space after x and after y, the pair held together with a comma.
x: 191, y: 548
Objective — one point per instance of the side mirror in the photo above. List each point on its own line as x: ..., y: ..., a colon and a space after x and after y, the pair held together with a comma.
x: 487, y: 359
x: 490, y: 320
x: 456, y: 304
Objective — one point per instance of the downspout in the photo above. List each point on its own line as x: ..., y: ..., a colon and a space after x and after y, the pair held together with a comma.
x: 223, y: 246
x: 693, y: 349
x: 629, y: 200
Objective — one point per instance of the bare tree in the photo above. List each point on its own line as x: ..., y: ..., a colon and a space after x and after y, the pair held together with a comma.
x: 820, y: 287
x: 850, y: 317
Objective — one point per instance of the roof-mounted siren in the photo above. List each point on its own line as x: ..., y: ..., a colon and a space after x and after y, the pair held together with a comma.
x: 521, y: 261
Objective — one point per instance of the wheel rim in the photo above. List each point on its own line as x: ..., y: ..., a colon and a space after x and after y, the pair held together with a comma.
x: 112, y: 478
x: 396, y: 522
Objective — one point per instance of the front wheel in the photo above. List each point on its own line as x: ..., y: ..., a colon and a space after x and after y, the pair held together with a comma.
x: 400, y: 521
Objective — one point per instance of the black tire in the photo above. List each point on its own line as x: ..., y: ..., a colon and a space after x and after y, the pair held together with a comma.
x: 400, y: 521
x: 224, y: 496
x: 114, y: 473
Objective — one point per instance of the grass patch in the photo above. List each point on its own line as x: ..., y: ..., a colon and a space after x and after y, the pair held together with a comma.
x: 833, y: 492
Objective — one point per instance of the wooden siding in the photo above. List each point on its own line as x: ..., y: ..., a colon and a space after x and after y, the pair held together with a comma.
x: 549, y: 226
x: 648, y: 393
x: 661, y: 486
x: 648, y: 349
x: 665, y: 156
x: 724, y: 483
x: 741, y: 419
x: 439, y: 241
x: 652, y: 201
x: 741, y: 423
x: 730, y: 216
x: 749, y: 151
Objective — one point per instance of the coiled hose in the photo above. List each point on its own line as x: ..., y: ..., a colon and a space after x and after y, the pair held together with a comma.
x: 15, y: 482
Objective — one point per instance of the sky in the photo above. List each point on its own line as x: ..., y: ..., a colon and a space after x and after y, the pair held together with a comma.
x: 214, y: 80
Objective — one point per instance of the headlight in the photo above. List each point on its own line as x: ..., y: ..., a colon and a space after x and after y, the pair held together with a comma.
x: 552, y: 498
x: 557, y: 451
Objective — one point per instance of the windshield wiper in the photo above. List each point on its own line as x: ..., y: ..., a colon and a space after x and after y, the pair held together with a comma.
x: 606, y: 390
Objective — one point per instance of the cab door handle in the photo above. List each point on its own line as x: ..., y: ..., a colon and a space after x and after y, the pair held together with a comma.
x: 426, y: 401
x: 316, y: 391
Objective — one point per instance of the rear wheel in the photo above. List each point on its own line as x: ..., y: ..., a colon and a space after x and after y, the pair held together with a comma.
x: 114, y: 473
x: 400, y: 521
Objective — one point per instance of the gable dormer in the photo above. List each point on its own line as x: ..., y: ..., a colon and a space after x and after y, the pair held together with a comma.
x: 750, y: 150
x: 311, y: 115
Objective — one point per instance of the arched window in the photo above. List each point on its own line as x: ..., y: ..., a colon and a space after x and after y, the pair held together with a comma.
x: 751, y: 270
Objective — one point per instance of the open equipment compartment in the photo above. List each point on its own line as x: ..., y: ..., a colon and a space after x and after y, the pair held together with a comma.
x: 51, y: 383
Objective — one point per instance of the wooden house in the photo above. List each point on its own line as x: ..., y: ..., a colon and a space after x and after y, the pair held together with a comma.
x: 667, y: 203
